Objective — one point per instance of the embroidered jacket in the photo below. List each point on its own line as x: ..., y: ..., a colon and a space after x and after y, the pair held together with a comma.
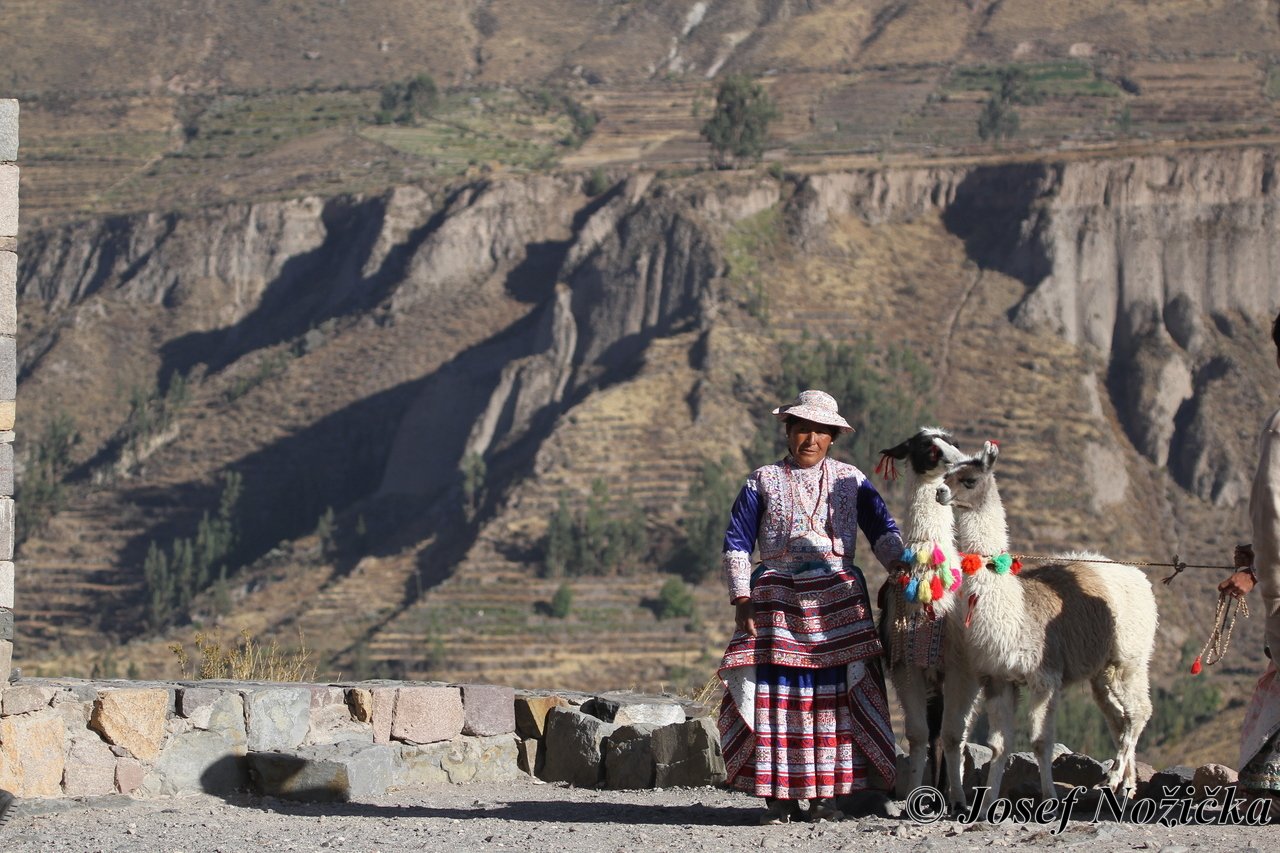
x: 773, y: 513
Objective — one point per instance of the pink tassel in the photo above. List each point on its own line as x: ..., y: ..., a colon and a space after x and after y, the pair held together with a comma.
x: 955, y: 580
x: 938, y: 557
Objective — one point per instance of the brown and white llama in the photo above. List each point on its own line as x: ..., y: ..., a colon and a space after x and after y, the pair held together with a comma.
x: 914, y: 602
x: 1041, y: 629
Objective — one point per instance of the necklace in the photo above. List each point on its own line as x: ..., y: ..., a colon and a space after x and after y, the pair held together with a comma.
x: 797, y: 494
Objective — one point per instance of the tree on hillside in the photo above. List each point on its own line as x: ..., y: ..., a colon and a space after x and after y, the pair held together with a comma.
x: 738, y: 127
x: 405, y: 103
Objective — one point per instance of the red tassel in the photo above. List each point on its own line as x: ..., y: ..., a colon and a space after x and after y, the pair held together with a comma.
x: 887, y: 467
x: 1015, y: 566
x: 1195, y: 666
x: 935, y: 587
x: 903, y: 580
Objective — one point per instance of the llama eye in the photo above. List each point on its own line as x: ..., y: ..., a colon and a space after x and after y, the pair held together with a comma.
x: 969, y: 482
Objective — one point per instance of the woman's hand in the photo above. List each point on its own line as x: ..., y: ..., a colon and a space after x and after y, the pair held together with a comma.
x: 744, y: 617
x: 1238, y: 584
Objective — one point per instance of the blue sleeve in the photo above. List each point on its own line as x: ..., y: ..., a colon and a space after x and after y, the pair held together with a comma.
x: 744, y: 521
x: 874, y: 517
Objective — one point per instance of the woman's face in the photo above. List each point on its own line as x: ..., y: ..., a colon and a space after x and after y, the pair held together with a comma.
x: 809, y: 442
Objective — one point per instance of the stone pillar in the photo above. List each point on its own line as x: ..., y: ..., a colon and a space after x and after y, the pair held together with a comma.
x: 8, y: 367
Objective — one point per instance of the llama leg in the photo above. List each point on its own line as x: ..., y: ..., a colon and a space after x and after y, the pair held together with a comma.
x: 1135, y: 695
x: 1043, y: 708
x: 1001, y: 703
x: 1113, y: 712
x: 959, y: 695
x: 913, y: 694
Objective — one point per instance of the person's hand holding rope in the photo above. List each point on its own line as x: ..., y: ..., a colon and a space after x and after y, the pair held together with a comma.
x: 1243, y: 580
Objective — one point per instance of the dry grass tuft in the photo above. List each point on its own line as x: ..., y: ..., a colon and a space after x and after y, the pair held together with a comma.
x: 246, y: 660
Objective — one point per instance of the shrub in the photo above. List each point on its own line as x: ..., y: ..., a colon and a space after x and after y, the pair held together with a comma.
x: 41, y: 492
x: 675, y: 600
x: 706, y: 512
x: 738, y: 126
x: 609, y: 537
x: 247, y: 660
x: 562, y: 601
x: 405, y: 103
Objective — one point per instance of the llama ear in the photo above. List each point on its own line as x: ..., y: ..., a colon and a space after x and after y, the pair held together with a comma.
x: 990, y: 451
x: 949, y: 452
x: 899, y: 451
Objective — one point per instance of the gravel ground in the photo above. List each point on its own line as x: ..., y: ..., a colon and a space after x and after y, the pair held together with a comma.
x: 533, y: 817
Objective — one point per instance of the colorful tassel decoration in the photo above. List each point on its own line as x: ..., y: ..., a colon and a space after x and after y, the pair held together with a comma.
x: 922, y: 558
x: 912, y: 588
x: 924, y: 592
x: 939, y: 558
x: 908, y: 554
x: 935, y: 588
x: 1195, y: 666
x: 903, y: 580
x: 955, y: 579
x: 971, y: 563
x: 1016, y: 566
x: 1002, y: 563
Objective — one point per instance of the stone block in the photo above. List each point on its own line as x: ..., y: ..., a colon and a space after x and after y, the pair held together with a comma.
x: 6, y: 624
x: 1075, y: 768
x: 531, y: 713
x: 8, y: 377
x: 688, y: 754
x: 8, y: 244
x: 1171, y: 782
x: 528, y: 756
x: 24, y: 698
x: 488, y: 709
x: 462, y: 759
x: 199, y: 762
x: 384, y: 713
x: 6, y: 583
x: 427, y: 714
x: 8, y: 200
x: 132, y: 718
x: 130, y: 773
x: 573, y: 747
x: 196, y: 704
x: 323, y: 695
x: 628, y: 708
x: 8, y: 293
x: 277, y: 717
x: 8, y: 411
x: 331, y: 723
x: 90, y: 770
x: 32, y: 755
x: 331, y: 773
x: 360, y: 701
x: 628, y: 758
x: 8, y: 129
x: 1208, y: 776
x: 6, y: 529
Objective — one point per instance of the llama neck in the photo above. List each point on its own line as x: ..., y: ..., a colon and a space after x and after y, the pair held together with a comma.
x: 983, y: 529
x: 926, y: 519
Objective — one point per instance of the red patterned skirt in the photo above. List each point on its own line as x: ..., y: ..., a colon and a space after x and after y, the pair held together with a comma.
x: 808, y: 731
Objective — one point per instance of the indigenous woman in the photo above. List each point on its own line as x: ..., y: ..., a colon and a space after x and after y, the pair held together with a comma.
x: 804, y: 714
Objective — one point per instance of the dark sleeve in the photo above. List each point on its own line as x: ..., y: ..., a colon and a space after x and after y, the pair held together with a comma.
x: 878, y: 525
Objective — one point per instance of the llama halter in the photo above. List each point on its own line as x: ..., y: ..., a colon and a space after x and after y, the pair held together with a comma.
x: 1224, y: 623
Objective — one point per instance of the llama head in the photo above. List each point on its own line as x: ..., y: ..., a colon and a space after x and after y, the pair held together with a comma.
x: 928, y: 452
x: 970, y: 480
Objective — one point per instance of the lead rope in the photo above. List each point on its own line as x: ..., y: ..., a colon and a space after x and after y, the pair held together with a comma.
x: 1225, y: 618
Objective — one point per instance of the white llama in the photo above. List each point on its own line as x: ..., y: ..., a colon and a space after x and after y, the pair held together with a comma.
x: 914, y: 602
x: 1042, y: 628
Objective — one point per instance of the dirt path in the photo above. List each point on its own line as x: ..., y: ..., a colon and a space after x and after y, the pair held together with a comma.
x: 535, y: 817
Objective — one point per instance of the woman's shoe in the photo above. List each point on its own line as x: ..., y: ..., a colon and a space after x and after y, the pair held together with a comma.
x: 779, y: 811
x: 824, y: 809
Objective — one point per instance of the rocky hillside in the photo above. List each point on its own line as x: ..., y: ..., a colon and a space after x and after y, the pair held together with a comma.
x: 353, y: 357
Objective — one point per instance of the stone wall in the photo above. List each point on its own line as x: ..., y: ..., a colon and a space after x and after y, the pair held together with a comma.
x: 8, y: 365
x: 69, y: 737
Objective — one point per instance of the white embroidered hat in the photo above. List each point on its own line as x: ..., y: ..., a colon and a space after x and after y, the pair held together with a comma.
x: 817, y: 406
